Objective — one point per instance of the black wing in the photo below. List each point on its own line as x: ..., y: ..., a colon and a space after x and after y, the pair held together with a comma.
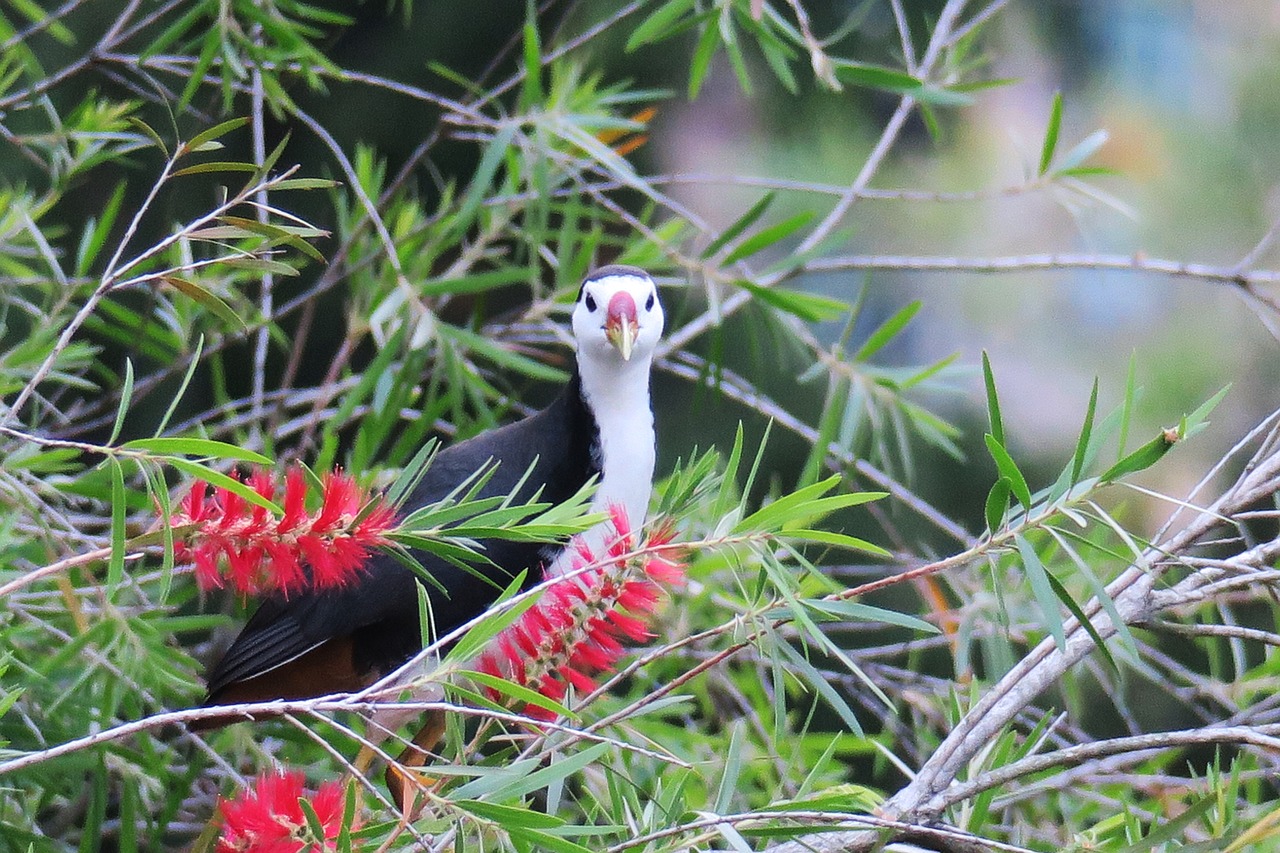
x: 380, y: 610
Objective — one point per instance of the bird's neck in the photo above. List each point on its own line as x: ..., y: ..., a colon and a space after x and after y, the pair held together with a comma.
x: 617, y: 396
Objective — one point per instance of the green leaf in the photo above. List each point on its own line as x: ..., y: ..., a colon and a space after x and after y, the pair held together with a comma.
x: 476, y: 282
x: 215, y: 166
x: 1082, y: 445
x: 1126, y: 408
x: 201, y: 447
x: 208, y: 299
x: 702, y: 54
x: 115, y: 566
x: 508, y: 816
x: 739, y: 225
x: 1051, y: 134
x: 804, y: 504
x: 494, y: 621
x: 993, y: 401
x: 1198, y: 420
x: 1009, y: 469
x: 182, y: 389
x: 766, y: 237
x: 839, y: 540
x: 856, y: 611
x: 126, y: 396
x: 656, y: 26
x: 220, y: 480
x: 810, y: 307
x: 887, y: 331
x: 494, y: 155
x: 898, y: 82
x: 150, y: 133
x: 1042, y: 589
x: 1070, y: 603
x: 561, y: 768
x: 502, y: 356
x: 305, y: 184
x: 801, y: 668
x: 1142, y: 458
x: 997, y: 503
x: 218, y: 130
x: 518, y: 692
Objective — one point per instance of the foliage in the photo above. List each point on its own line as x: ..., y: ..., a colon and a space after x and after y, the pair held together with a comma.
x: 846, y: 662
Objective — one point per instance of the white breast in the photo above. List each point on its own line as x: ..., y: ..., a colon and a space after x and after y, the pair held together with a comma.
x: 619, y: 399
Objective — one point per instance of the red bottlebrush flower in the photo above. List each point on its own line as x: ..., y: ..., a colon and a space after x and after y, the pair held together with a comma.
x: 242, y: 544
x: 577, y: 628
x: 268, y: 818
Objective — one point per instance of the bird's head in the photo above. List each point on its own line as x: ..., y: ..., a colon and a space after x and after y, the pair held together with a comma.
x: 618, y: 316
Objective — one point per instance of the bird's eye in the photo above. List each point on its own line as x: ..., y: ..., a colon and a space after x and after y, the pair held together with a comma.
x: 648, y: 306
x: 590, y: 302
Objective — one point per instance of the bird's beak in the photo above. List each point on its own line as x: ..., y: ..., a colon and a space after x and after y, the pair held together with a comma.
x: 621, y: 327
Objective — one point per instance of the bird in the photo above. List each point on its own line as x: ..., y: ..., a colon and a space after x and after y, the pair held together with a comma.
x: 600, y: 426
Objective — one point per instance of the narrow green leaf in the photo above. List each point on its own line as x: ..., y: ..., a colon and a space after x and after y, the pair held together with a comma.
x: 1070, y: 603
x: 887, y: 331
x: 997, y: 503
x: 208, y: 299
x: 518, y: 692
x: 656, y: 26
x: 1126, y: 408
x: 856, y: 611
x: 1198, y: 420
x: 182, y: 389
x: 508, y: 816
x: 1082, y: 445
x: 475, y: 283
x: 1047, y: 601
x: 702, y: 54
x: 766, y: 237
x: 741, y: 224
x: 126, y: 397
x: 493, y: 622
x: 732, y: 769
x: 838, y: 540
x: 220, y: 480
x: 810, y: 307
x: 150, y: 133
x: 993, y: 400
x: 561, y: 768
x: 214, y: 166
x: 537, y: 839
x: 532, y: 93
x: 1009, y: 469
x: 1051, y: 134
x: 482, y: 178
x: 305, y: 184
x: 115, y: 566
x: 1142, y: 458
x: 801, y: 668
x: 201, y: 447
x: 215, y: 132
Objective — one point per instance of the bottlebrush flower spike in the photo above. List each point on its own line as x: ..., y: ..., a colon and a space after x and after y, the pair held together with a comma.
x: 267, y: 818
x: 577, y: 628
x: 245, y: 546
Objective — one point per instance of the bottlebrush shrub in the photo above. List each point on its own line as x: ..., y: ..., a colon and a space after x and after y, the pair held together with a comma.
x: 576, y: 629
x: 268, y: 816
x: 235, y: 542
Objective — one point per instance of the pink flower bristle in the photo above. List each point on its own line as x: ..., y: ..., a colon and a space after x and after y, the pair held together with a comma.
x: 267, y: 816
x: 262, y: 553
x: 577, y: 629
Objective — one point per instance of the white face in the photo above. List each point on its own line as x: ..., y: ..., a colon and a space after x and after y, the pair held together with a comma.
x: 618, y: 317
